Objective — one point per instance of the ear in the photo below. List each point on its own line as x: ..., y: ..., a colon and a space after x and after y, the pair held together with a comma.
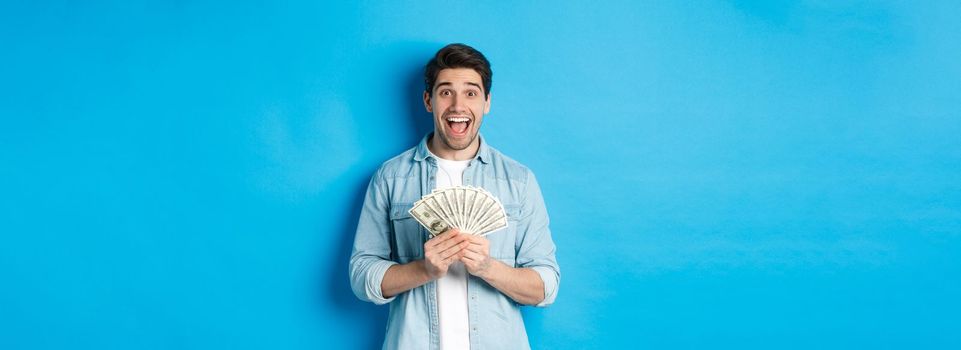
x: 487, y: 105
x: 427, y: 102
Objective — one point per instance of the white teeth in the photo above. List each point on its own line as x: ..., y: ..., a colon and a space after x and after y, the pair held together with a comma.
x: 458, y: 120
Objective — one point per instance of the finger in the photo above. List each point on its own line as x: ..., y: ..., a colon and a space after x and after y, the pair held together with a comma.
x: 478, y: 240
x: 471, y: 264
x: 455, y: 257
x: 482, y: 243
x: 478, y: 244
x: 471, y: 248
x: 453, y: 250
x: 467, y: 262
x: 453, y: 242
x: 472, y: 256
x: 478, y: 248
x: 443, y: 237
x: 452, y: 258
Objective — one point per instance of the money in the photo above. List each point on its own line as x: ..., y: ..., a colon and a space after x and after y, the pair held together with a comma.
x: 472, y: 210
x: 427, y: 218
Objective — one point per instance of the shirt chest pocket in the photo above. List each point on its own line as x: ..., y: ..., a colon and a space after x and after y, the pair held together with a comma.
x: 502, y: 242
x: 407, y: 238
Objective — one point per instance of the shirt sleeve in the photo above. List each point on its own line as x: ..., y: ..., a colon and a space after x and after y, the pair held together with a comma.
x: 535, y: 247
x: 370, y: 257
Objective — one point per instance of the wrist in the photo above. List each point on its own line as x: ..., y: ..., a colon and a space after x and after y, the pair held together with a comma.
x: 424, y: 270
x: 493, y: 269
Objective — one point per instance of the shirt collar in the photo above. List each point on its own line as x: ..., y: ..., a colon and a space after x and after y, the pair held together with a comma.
x: 483, y: 153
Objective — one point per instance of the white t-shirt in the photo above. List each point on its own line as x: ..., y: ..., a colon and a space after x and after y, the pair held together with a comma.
x: 452, y: 288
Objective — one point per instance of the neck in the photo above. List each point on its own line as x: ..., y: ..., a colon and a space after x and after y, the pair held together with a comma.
x: 438, y: 148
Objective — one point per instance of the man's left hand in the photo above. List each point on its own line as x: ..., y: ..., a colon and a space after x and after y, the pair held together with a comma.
x: 477, y: 257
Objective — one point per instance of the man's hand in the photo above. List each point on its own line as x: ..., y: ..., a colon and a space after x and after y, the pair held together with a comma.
x: 476, y: 256
x: 443, y: 250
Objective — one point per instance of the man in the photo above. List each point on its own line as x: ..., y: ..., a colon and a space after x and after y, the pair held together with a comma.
x: 456, y: 290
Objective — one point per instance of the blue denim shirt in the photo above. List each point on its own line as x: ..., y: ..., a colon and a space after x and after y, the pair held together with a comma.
x: 388, y: 235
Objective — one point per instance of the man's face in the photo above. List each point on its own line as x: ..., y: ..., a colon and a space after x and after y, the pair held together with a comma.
x: 458, y: 103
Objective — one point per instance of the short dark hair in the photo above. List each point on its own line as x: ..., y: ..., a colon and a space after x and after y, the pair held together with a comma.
x: 458, y: 56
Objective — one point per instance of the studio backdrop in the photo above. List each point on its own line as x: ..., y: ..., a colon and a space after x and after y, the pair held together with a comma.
x: 718, y: 174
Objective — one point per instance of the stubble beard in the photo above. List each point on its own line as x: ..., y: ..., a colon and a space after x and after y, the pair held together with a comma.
x: 457, y: 147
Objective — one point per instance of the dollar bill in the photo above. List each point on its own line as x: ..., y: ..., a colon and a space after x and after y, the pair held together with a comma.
x: 429, y: 219
x: 473, y: 210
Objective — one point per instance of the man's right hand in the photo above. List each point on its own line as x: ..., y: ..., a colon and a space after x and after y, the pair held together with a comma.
x: 443, y: 250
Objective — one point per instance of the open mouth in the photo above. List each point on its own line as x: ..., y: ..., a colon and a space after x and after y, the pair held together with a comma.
x: 458, y: 126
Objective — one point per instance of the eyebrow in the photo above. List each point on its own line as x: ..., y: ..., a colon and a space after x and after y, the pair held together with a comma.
x: 451, y: 84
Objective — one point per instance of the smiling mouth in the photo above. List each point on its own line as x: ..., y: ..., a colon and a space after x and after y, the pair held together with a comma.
x: 458, y: 125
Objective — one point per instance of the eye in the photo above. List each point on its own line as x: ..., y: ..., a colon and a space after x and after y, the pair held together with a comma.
x: 471, y: 93
x: 445, y: 93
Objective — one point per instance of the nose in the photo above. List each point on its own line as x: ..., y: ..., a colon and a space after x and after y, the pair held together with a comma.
x: 457, y: 105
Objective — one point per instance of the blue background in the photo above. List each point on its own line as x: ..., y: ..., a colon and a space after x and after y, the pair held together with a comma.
x: 720, y: 174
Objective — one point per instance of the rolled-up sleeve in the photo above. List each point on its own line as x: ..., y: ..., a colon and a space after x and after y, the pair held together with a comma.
x: 370, y: 257
x: 535, y: 247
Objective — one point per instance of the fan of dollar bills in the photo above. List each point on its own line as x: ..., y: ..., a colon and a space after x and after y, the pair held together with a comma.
x: 473, y: 210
